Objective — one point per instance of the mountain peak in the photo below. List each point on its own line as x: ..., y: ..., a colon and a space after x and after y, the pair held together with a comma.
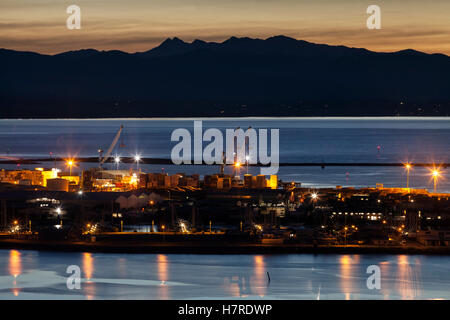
x: 411, y: 52
x: 198, y: 41
x: 80, y: 52
x: 282, y: 37
x: 175, y: 41
x: 242, y: 39
x: 169, y: 46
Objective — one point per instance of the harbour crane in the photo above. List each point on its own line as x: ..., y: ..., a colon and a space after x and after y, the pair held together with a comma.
x: 103, y: 158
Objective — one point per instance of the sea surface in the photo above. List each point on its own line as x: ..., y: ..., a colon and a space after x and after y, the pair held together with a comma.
x: 346, y: 140
x: 43, y: 275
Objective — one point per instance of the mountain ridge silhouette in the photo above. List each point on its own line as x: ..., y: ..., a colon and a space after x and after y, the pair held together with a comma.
x: 277, y: 76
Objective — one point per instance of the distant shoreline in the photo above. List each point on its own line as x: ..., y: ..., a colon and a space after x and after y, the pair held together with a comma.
x: 213, y: 248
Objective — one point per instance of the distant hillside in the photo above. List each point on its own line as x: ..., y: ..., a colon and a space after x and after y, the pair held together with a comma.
x: 238, y: 77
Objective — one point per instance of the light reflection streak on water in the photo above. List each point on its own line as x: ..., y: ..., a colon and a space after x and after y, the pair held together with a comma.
x: 349, y: 275
x: 233, y: 286
x: 259, y: 280
x: 385, y: 270
x: 163, y: 274
x: 345, y: 273
x: 88, y: 270
x: 15, y: 269
x: 242, y: 284
x: 407, y: 278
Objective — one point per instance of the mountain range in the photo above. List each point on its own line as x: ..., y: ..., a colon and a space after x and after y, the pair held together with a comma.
x: 278, y: 76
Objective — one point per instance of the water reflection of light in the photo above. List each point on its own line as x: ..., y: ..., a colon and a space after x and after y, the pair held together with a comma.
x: 259, y: 280
x: 15, y: 269
x: 88, y: 268
x: 88, y: 265
x: 346, y: 263
x: 407, y: 278
x: 238, y: 286
x: 385, y: 271
x: 232, y: 284
x: 15, y: 264
x: 163, y: 266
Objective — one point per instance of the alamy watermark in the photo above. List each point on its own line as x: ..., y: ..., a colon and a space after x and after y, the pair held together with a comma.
x: 74, y: 280
x: 74, y: 20
x: 374, y: 20
x: 374, y: 280
x: 249, y: 146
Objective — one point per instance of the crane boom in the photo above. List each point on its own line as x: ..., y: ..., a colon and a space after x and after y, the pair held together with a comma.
x: 111, y: 147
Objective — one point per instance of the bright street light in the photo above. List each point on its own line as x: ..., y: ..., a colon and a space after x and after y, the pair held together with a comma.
x: 237, y: 165
x: 70, y: 163
x: 117, y: 161
x: 137, y: 158
x: 435, y: 173
x: 408, y: 167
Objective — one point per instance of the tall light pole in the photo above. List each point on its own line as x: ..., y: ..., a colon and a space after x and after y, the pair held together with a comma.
x: 435, y: 174
x: 70, y: 163
x: 237, y: 165
x: 117, y: 161
x: 137, y: 158
x: 408, y: 168
x: 345, y: 235
x: 52, y: 155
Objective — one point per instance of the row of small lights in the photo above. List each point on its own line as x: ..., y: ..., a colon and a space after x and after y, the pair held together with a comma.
x: 137, y: 158
x: 360, y: 213
x: 435, y: 173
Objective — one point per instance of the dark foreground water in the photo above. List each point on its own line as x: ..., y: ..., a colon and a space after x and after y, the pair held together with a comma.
x: 346, y: 140
x: 42, y: 275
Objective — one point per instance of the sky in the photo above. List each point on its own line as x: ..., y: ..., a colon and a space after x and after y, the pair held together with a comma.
x: 139, y: 25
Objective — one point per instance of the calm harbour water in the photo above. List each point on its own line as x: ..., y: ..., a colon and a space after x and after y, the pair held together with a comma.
x: 42, y: 275
x: 301, y: 140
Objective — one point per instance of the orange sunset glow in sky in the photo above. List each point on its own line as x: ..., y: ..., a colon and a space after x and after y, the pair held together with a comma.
x: 139, y: 25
